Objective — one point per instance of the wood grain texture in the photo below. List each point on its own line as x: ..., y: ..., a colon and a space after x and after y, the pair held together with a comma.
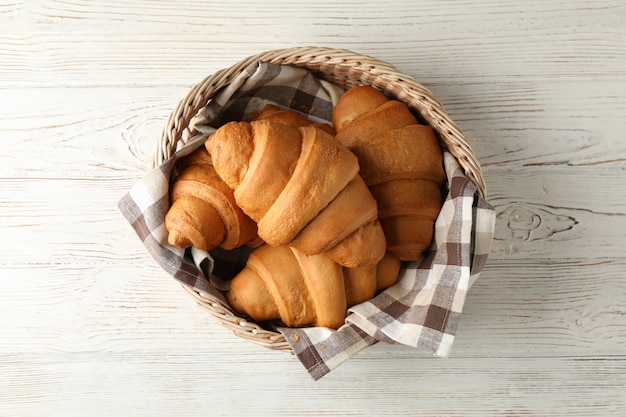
x: 98, y: 132
x: 572, y: 309
x: 91, y: 326
x: 89, y: 43
x: 148, y: 384
x: 539, y: 222
x: 537, y: 124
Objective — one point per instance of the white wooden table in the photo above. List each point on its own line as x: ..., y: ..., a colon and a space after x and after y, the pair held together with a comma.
x: 90, y: 326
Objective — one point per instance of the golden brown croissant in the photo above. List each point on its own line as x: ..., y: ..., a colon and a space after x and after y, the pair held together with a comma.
x: 401, y: 162
x: 280, y: 282
x: 302, y: 187
x: 203, y: 212
x: 363, y: 283
x: 291, y: 118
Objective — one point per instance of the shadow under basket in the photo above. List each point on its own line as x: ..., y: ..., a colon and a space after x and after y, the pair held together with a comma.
x: 342, y: 68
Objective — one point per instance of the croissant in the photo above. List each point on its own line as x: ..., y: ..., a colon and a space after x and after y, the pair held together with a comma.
x: 281, y: 282
x: 203, y: 212
x: 291, y: 118
x: 363, y: 283
x: 401, y: 162
x: 301, y: 187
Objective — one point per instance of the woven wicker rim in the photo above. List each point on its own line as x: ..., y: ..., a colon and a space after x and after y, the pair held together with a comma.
x: 345, y: 69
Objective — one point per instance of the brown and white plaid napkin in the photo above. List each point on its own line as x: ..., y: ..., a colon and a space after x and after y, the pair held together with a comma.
x: 422, y: 310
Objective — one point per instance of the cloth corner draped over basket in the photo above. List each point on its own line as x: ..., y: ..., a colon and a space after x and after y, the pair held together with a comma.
x: 421, y: 310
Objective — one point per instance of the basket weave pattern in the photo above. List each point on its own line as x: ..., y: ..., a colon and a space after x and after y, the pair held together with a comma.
x: 345, y: 69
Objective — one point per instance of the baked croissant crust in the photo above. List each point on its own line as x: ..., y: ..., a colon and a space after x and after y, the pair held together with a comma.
x: 301, y: 187
x: 281, y: 282
x: 291, y: 118
x: 401, y: 162
x: 364, y: 283
x: 203, y: 211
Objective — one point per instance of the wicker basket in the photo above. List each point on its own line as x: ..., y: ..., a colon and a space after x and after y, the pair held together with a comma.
x: 342, y: 68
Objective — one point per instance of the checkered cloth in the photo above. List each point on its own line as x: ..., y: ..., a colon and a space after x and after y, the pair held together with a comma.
x: 421, y: 310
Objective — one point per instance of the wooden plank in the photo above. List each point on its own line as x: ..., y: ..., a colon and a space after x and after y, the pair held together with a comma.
x: 101, y: 131
x: 72, y: 306
x: 538, y: 124
x: 542, y: 215
x: 525, y: 308
x: 537, y: 219
x: 161, y: 382
x: 180, y: 42
x: 78, y: 132
x: 67, y: 218
x: 515, y: 309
